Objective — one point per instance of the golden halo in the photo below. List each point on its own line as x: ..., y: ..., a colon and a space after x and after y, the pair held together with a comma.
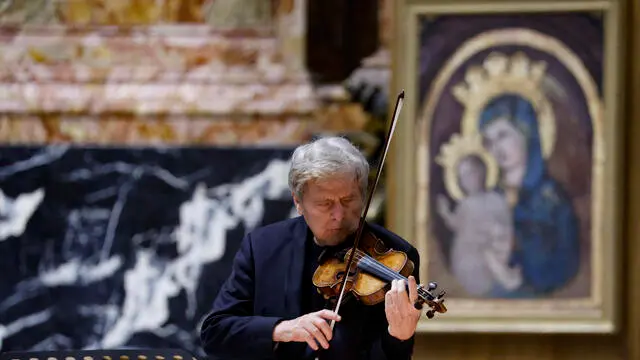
x: 500, y: 74
x: 457, y: 149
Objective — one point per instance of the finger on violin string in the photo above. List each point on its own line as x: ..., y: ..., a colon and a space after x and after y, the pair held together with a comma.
x: 401, y: 286
x: 389, y: 297
x: 413, y: 289
x: 394, y: 285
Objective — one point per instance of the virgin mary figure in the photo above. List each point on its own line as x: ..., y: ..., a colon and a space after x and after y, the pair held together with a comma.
x: 545, y: 247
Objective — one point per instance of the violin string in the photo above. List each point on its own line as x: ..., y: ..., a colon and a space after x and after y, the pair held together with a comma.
x: 361, y: 256
x: 392, y: 274
x: 386, y: 271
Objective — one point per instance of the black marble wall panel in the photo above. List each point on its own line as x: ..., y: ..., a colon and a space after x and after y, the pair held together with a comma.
x: 125, y: 247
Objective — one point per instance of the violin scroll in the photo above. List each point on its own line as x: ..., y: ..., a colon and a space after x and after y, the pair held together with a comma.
x: 434, y: 302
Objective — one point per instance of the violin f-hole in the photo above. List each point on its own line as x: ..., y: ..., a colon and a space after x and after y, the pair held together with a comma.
x: 340, y: 274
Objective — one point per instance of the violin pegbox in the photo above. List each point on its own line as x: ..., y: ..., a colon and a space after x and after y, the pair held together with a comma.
x: 435, y: 302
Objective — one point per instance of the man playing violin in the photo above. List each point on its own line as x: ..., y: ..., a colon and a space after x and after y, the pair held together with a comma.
x: 269, y: 307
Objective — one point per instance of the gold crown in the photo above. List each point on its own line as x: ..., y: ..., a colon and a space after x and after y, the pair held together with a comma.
x: 455, y: 150
x: 500, y: 74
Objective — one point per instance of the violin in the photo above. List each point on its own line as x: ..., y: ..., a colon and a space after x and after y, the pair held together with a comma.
x: 367, y: 268
x: 376, y: 266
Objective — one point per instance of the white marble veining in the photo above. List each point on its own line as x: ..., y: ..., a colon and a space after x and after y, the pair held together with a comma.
x: 118, y: 287
x: 15, y: 213
x: 201, y: 238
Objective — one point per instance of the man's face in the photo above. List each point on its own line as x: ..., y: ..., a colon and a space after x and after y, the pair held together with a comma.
x: 332, y: 208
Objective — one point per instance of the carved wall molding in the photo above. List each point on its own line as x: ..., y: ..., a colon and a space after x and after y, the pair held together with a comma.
x: 148, y: 70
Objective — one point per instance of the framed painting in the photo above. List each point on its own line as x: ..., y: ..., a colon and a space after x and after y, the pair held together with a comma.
x: 506, y: 166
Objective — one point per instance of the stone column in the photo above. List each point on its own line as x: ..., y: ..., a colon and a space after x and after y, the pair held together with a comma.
x: 385, y: 16
x: 291, y: 31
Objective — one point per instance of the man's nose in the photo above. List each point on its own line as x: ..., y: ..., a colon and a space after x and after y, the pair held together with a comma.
x: 337, y: 212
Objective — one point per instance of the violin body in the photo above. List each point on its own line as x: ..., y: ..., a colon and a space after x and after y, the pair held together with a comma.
x: 368, y: 288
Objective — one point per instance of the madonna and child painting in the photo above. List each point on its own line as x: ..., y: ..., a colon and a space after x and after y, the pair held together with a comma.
x: 510, y: 119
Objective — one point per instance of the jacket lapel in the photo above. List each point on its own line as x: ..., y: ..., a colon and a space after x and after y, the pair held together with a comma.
x: 293, y: 276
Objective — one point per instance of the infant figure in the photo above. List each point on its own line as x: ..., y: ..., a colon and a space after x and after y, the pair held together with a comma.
x: 483, y: 233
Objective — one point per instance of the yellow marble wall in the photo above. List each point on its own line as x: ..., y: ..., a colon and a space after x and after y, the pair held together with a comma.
x: 148, y: 72
x: 216, y: 13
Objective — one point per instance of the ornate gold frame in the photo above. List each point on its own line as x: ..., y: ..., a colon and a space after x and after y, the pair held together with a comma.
x: 632, y: 309
x: 406, y: 217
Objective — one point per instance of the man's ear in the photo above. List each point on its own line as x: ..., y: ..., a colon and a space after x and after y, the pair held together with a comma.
x: 296, y: 201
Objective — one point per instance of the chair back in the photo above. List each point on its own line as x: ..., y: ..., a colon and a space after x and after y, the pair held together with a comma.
x: 108, y: 354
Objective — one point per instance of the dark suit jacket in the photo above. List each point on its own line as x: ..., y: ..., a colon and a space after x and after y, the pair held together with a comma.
x: 265, y: 287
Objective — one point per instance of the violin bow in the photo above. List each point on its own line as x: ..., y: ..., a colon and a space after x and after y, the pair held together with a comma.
x: 383, y: 156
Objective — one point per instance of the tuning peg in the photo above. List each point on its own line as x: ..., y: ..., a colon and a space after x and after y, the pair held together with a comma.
x: 441, y: 295
x: 430, y: 314
x: 433, y: 286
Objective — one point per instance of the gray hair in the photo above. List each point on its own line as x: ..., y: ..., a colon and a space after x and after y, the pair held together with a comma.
x: 323, y: 158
